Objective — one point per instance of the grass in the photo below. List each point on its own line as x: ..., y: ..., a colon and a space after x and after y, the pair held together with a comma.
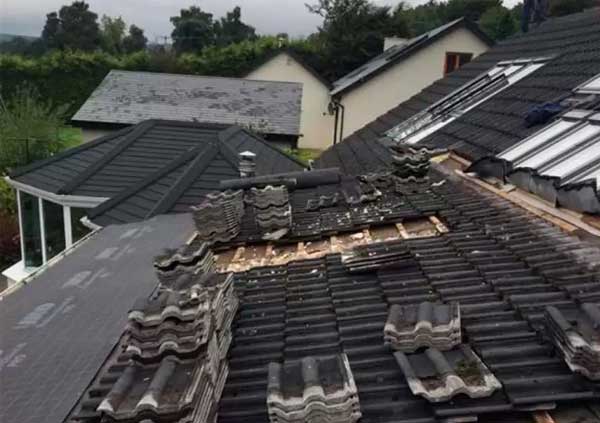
x: 71, y: 136
x: 303, y: 154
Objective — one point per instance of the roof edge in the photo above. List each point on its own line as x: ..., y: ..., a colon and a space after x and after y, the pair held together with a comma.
x: 77, y: 201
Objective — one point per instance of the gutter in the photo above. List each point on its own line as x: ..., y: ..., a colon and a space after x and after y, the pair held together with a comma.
x: 77, y: 201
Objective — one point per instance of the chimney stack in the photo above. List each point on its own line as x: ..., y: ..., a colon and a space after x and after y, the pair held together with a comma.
x: 247, y: 164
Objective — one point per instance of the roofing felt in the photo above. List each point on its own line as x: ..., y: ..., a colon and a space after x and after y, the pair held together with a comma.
x: 126, y: 97
x: 57, y: 330
x: 396, y: 54
x: 152, y: 160
x: 501, y: 264
x: 499, y: 122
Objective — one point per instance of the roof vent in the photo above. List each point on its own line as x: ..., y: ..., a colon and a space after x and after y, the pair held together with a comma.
x: 247, y: 164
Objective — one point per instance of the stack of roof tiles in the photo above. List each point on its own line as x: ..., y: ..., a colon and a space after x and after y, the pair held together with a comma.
x: 411, y: 327
x: 409, y: 164
x: 361, y: 259
x: 218, y: 218
x: 313, y: 390
x: 579, y: 341
x: 439, y: 376
x: 272, y: 207
x: 189, y: 259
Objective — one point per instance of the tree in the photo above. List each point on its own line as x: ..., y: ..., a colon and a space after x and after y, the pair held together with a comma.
x: 470, y: 9
x: 351, y: 34
x: 112, y: 33
x: 135, y: 41
x: 51, y: 34
x: 194, y: 30
x: 498, y: 23
x: 75, y: 27
x: 232, y: 30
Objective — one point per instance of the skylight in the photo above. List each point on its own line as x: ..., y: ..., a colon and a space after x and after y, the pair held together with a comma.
x: 485, y: 86
x: 568, y: 149
x: 590, y: 87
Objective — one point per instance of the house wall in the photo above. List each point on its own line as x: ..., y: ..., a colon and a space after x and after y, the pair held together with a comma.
x: 385, y: 91
x: 316, y: 125
x: 90, y: 134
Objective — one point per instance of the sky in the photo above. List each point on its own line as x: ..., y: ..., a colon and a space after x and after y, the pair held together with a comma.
x: 26, y: 17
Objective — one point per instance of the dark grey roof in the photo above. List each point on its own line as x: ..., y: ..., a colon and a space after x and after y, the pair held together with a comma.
x: 136, y: 156
x: 126, y: 97
x: 56, y: 331
x: 398, y: 53
x: 497, y: 123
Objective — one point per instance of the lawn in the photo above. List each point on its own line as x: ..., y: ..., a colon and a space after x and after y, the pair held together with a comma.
x: 304, y: 154
x: 71, y: 136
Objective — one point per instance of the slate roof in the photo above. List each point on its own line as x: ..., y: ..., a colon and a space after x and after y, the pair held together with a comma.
x: 156, y: 160
x: 126, y: 97
x: 501, y: 264
x: 498, y: 123
x: 57, y: 330
x: 398, y: 53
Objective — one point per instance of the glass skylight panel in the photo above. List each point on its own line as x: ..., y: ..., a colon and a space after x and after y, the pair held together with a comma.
x: 463, y: 99
x: 557, y: 150
x: 537, y: 140
x: 572, y: 164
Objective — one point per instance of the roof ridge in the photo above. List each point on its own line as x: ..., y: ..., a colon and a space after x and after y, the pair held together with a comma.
x: 68, y: 152
x: 194, y: 169
x: 135, y: 133
x: 128, y: 192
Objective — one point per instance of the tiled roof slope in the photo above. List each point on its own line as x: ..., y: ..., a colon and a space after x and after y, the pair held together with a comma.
x: 499, y: 122
x: 126, y: 97
x: 501, y: 264
x: 398, y: 53
x: 108, y: 166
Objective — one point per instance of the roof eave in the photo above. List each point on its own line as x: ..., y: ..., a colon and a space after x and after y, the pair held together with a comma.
x: 78, y: 201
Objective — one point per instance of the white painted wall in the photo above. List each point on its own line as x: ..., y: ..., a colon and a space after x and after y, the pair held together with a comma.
x: 316, y: 125
x: 400, y: 82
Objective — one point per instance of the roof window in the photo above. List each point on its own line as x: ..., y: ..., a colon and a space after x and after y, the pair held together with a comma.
x: 485, y: 86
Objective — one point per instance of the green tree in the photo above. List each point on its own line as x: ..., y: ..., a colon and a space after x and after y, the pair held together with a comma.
x: 75, y: 27
x: 351, y: 34
x: 135, y: 41
x: 112, y: 34
x: 230, y: 29
x: 498, y: 23
x: 470, y: 9
x: 29, y: 128
x: 194, y: 30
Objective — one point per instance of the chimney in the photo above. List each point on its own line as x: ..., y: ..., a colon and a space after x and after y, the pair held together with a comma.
x: 390, y: 42
x: 247, y: 164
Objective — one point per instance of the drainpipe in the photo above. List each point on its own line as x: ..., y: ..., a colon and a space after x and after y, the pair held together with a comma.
x: 340, y: 105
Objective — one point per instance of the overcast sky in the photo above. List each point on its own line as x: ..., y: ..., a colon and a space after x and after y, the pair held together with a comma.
x: 26, y: 17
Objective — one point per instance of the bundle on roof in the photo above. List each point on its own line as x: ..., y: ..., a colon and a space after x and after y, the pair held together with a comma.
x: 411, y: 327
x: 196, y: 258
x: 171, y: 362
x: 313, y: 390
x: 577, y: 340
x: 439, y: 376
x: 219, y: 217
x: 272, y: 208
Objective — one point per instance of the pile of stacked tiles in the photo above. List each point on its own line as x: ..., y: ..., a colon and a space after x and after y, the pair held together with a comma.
x: 219, y: 217
x: 446, y: 367
x: 578, y: 340
x: 410, y: 164
x: 411, y: 327
x: 189, y: 259
x: 272, y: 207
x: 313, y: 390
x: 176, y: 344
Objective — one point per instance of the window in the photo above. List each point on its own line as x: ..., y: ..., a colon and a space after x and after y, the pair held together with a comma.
x: 463, y: 99
x: 79, y: 230
x: 590, y: 87
x: 30, y: 226
x: 568, y: 149
x: 54, y: 228
x: 455, y: 61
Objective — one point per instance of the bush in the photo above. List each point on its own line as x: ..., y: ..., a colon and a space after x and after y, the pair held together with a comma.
x: 9, y: 241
